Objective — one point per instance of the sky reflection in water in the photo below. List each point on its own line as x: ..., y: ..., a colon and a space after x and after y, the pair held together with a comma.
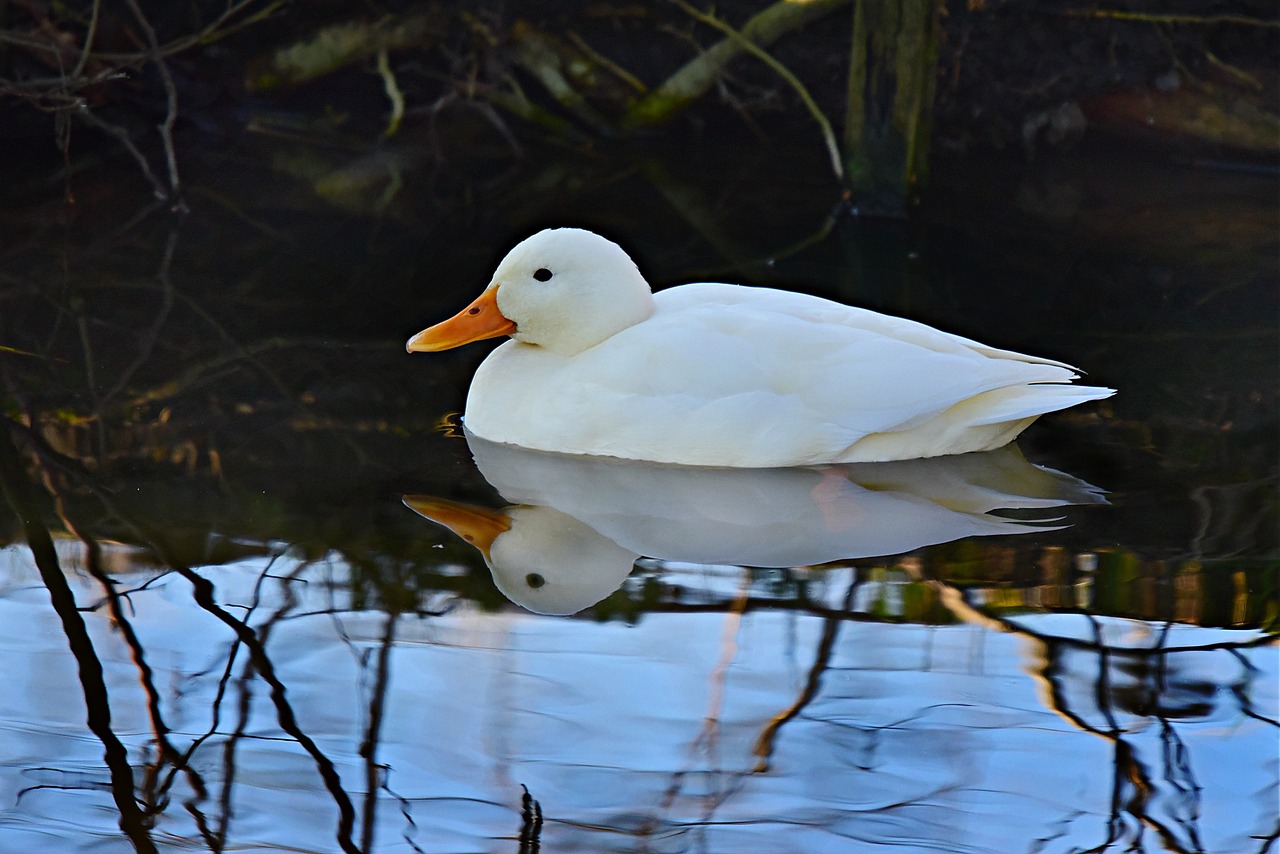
x: 782, y: 729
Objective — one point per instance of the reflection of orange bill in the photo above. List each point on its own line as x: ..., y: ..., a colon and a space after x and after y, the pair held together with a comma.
x: 479, y: 526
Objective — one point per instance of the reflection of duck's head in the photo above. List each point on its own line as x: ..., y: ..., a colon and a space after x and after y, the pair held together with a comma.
x: 564, y: 289
x: 541, y: 559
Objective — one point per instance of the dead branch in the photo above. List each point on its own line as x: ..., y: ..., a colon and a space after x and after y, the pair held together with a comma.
x: 340, y: 45
x: 171, y: 100
x: 700, y: 73
x: 87, y: 50
x: 86, y: 115
x: 605, y: 62
x: 828, y: 135
x: 537, y: 54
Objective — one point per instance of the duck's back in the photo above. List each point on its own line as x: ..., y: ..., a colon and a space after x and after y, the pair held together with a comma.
x: 736, y: 376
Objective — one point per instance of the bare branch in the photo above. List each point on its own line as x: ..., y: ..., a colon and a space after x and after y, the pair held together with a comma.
x: 88, y: 40
x: 828, y: 135
x: 88, y: 116
x: 700, y: 73
x: 171, y: 97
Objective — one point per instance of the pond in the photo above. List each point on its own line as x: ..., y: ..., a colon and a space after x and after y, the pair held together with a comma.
x: 242, y: 611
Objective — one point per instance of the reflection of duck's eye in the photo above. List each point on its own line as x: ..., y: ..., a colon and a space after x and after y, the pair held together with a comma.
x: 534, y: 580
x: 542, y: 274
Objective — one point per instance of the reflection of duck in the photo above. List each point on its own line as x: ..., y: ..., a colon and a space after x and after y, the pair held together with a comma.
x: 584, y: 520
x: 711, y: 374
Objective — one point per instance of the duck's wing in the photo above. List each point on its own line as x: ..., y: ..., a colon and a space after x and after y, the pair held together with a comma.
x: 819, y: 310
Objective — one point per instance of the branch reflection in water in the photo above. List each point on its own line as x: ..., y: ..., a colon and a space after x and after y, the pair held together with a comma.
x: 578, y: 524
x: 267, y: 702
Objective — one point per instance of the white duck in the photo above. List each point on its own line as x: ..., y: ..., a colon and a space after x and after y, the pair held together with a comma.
x: 726, y: 375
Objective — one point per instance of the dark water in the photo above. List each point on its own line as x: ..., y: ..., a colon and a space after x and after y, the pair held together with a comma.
x: 225, y: 630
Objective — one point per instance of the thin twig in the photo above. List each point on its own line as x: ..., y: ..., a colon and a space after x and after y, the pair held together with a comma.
x: 1236, y: 74
x: 171, y: 114
x: 87, y: 115
x: 394, y: 95
x: 1151, y: 18
x: 828, y: 135
x: 88, y: 40
x: 617, y: 70
x: 212, y: 33
x: 58, y: 89
x: 147, y: 347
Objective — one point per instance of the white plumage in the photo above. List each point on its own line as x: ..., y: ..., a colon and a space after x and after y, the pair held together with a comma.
x: 726, y: 375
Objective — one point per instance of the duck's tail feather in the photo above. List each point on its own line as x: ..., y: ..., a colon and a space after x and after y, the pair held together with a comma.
x: 1028, y: 401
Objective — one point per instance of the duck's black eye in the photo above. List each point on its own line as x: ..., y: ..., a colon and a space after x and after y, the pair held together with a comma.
x: 542, y: 274
x: 534, y: 580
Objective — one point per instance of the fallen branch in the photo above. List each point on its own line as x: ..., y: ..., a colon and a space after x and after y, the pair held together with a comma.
x: 700, y: 73
x: 537, y: 54
x: 517, y: 103
x: 828, y: 135
x: 340, y: 45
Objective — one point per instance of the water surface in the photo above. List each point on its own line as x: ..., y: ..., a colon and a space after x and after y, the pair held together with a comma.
x: 225, y: 630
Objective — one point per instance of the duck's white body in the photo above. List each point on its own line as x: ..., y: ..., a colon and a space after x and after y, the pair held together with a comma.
x: 725, y: 375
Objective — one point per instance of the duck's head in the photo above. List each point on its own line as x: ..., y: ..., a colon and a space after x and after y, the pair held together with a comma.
x: 564, y: 289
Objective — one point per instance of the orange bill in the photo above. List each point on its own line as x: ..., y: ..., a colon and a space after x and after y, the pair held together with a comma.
x: 476, y: 322
x: 479, y: 526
